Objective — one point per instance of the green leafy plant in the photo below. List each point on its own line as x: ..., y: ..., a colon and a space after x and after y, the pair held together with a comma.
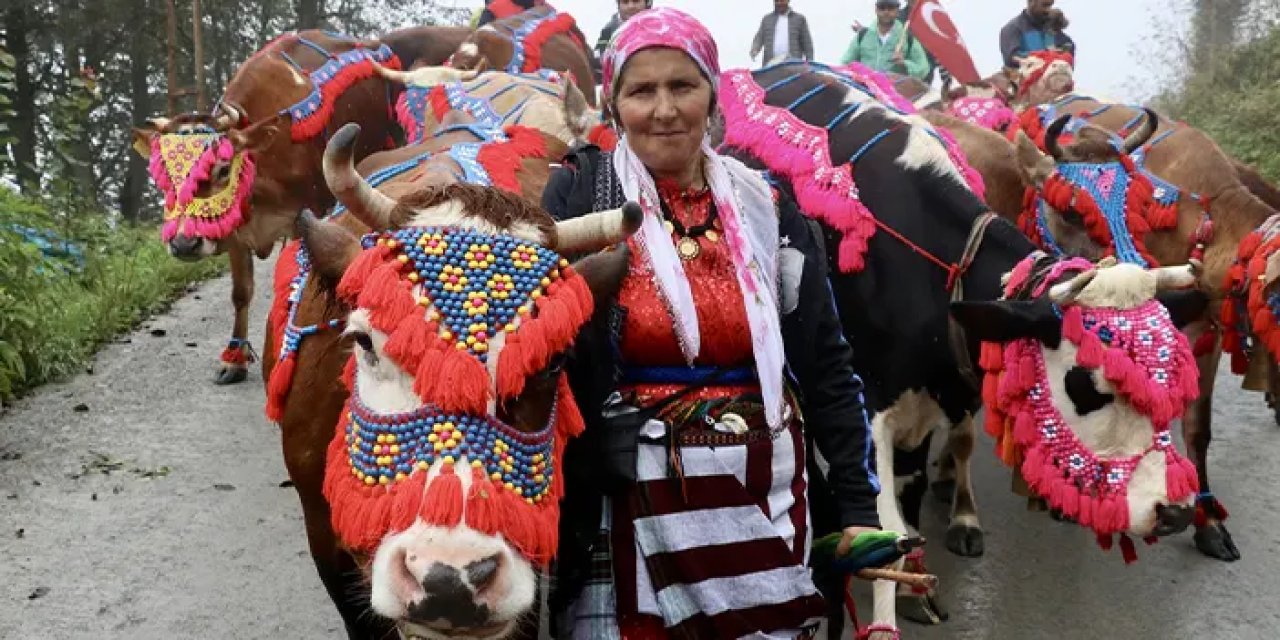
x: 56, y: 308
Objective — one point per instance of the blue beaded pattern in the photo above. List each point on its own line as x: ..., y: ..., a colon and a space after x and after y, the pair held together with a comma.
x: 293, y: 334
x: 460, y: 97
x: 386, y: 448
x: 476, y: 283
x: 309, y: 105
x: 518, y: 37
x: 1088, y: 177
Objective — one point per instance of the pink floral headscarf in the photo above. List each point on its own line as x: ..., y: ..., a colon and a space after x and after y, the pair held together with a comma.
x: 661, y: 27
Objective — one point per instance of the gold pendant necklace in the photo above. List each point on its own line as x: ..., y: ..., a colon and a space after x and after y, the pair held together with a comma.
x: 688, y: 248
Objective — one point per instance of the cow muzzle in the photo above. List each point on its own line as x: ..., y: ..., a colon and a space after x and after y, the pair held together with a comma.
x: 191, y: 248
x: 439, y: 583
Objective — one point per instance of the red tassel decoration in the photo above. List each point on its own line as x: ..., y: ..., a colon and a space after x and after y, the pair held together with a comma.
x: 442, y: 504
x: 278, y: 387
x: 1127, y: 550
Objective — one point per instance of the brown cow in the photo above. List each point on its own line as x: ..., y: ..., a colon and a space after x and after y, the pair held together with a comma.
x: 1192, y: 161
x: 265, y: 122
x: 435, y: 552
x: 536, y: 39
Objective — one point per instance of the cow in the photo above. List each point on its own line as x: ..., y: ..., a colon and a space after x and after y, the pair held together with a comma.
x: 235, y: 180
x: 526, y: 42
x: 1249, y: 325
x: 425, y: 450
x: 893, y: 208
x: 545, y: 100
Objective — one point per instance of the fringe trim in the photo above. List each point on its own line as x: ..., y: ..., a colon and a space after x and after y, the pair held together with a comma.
x: 562, y: 23
x: 503, y: 160
x: 1243, y: 282
x: 1061, y: 195
x: 362, y: 514
x: 799, y: 152
x: 312, y: 124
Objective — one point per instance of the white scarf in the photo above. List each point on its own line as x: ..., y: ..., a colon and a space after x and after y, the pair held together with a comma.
x: 747, y: 211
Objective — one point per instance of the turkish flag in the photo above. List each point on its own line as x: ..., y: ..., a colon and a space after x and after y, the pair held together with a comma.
x: 932, y: 26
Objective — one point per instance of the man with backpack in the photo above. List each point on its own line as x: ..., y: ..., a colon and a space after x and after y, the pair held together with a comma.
x: 888, y: 47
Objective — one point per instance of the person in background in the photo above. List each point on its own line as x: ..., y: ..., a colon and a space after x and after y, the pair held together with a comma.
x: 1031, y: 30
x: 499, y: 9
x: 1058, y: 22
x: 626, y: 9
x: 888, y: 47
x: 783, y: 35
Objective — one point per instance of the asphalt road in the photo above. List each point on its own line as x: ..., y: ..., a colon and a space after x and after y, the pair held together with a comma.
x: 156, y: 511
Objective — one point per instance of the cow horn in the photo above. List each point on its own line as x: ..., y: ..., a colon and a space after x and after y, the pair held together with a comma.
x: 1179, y: 277
x: 228, y: 116
x: 1065, y: 293
x: 363, y: 201
x: 595, y: 231
x: 1051, y: 137
x: 392, y: 75
x: 1144, y: 133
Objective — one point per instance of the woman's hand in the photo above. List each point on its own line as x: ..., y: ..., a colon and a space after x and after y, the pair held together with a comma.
x: 842, y: 549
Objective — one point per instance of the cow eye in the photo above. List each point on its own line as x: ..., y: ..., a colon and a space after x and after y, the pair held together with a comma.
x: 1083, y: 393
x: 364, y: 340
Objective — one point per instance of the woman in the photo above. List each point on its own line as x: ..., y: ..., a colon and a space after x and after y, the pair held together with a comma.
x: 711, y: 539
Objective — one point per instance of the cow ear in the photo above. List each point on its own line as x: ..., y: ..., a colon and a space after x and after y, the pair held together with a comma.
x: 1185, y: 306
x: 144, y: 135
x: 261, y: 134
x: 1007, y: 320
x: 603, y: 272
x: 331, y: 246
x: 575, y: 107
x: 1034, y: 167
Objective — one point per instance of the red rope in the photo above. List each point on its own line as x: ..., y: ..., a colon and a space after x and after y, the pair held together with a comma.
x: 954, y: 271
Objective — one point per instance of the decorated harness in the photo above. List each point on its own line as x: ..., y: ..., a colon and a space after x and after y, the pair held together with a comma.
x: 1121, y: 201
x: 800, y: 151
x: 441, y: 295
x: 492, y: 161
x: 1139, y: 351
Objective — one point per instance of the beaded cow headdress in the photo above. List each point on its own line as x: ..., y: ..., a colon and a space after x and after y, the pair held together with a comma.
x: 180, y: 162
x: 1116, y: 201
x: 1143, y: 356
x: 450, y: 301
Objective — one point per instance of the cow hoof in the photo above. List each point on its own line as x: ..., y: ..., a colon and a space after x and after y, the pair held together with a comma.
x: 945, y: 490
x: 1215, y: 541
x: 965, y: 541
x: 1275, y: 412
x: 230, y: 374
x: 921, y: 609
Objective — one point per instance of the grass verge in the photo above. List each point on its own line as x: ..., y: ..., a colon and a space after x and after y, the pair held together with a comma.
x: 57, y: 307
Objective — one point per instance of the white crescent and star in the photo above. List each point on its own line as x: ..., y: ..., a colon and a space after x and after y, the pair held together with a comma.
x: 928, y: 11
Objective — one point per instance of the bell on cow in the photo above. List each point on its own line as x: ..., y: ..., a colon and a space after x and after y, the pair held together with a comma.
x: 1257, y: 376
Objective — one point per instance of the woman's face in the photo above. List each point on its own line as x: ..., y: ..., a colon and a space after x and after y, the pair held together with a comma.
x: 628, y: 8
x: 663, y: 102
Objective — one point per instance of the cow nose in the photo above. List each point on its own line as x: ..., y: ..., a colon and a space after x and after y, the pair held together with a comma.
x: 482, y: 572
x: 182, y: 246
x: 449, y: 600
x: 1171, y: 519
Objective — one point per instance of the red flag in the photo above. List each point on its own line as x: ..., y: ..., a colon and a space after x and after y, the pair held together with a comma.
x: 932, y: 26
